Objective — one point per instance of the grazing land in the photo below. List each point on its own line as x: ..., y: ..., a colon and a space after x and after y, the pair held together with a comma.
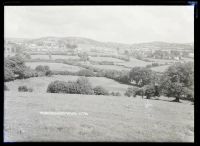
x: 40, y: 84
x: 123, y: 95
x: 107, y: 119
x: 160, y: 68
x: 109, y: 67
x: 53, y: 57
x: 106, y: 59
x: 54, y: 66
x: 134, y: 62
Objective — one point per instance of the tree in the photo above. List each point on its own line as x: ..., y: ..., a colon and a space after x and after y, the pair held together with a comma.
x: 83, y: 56
x: 149, y: 91
x: 8, y: 75
x: 176, y: 79
x: 16, y: 65
x: 72, y: 47
x: 141, y: 75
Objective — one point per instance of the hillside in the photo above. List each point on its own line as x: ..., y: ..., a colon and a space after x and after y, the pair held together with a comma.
x: 86, y: 42
x: 107, y: 118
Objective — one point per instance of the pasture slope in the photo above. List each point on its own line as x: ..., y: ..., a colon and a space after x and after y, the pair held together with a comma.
x: 40, y: 84
x: 54, y: 66
x: 109, y: 118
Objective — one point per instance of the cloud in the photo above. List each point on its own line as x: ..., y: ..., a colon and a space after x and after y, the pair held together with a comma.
x: 127, y: 24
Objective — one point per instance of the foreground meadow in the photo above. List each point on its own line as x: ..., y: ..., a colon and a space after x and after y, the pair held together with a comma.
x: 108, y: 118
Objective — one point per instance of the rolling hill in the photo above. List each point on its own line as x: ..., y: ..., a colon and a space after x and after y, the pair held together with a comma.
x: 90, y: 43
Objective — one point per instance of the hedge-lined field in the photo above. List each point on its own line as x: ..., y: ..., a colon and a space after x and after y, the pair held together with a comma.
x: 40, y: 84
x: 162, y: 68
x: 134, y: 62
x: 54, y: 66
x: 53, y: 57
x: 106, y: 59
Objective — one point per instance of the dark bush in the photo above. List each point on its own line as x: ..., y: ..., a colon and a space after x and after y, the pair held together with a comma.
x: 98, y: 90
x: 85, y: 86
x: 81, y: 86
x: 29, y: 73
x: 16, y: 65
x: 115, y: 94
x: 40, y: 68
x: 131, y: 91
x: 86, y: 73
x: 24, y: 89
x: 57, y: 87
x: 8, y: 75
x: 44, y: 69
x: 188, y: 94
x: 149, y: 91
x: 48, y: 73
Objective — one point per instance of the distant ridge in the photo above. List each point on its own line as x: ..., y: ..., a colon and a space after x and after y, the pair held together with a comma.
x: 114, y: 45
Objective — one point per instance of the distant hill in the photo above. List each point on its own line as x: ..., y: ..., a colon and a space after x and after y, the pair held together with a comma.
x: 88, y: 43
x: 164, y: 45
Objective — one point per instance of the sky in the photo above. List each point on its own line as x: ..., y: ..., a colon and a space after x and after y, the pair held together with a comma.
x: 123, y: 24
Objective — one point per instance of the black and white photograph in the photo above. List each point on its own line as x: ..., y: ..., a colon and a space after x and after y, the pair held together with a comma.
x: 101, y: 73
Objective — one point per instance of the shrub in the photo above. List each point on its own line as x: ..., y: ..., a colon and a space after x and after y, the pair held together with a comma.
x: 24, y: 89
x: 16, y: 65
x: 29, y: 73
x: 188, y: 94
x: 44, y: 69
x: 115, y: 94
x: 57, y: 87
x: 48, y: 73
x: 131, y: 91
x: 98, y: 90
x: 85, y: 86
x: 40, y: 68
x: 81, y: 86
x: 149, y: 91
x: 6, y: 88
x: 8, y: 75
x: 86, y: 73
x: 140, y: 91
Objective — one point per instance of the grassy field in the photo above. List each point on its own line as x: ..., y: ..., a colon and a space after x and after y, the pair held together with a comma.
x: 160, y: 68
x: 53, y: 57
x: 111, y: 67
x: 107, y: 118
x: 162, y: 61
x: 54, y: 66
x: 40, y: 84
x: 135, y: 62
x: 106, y: 59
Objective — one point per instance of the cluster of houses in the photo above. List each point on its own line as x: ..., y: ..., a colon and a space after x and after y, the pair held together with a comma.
x: 162, y: 54
x: 48, y: 46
